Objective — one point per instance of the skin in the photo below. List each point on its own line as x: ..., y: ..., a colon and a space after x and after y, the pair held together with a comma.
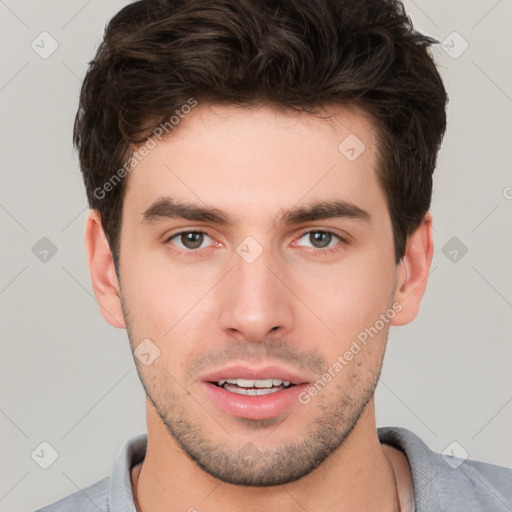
x: 291, y: 307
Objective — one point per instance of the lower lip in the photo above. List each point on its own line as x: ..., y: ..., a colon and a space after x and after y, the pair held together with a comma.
x: 253, y: 407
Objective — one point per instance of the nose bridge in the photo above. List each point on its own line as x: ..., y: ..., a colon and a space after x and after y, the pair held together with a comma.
x: 256, y: 300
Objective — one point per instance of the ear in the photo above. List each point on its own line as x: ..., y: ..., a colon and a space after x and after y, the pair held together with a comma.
x: 103, y: 272
x: 413, y: 272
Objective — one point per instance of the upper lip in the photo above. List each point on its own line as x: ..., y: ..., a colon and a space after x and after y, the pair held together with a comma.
x: 240, y: 371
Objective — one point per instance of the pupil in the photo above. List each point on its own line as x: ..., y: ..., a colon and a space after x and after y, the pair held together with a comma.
x: 192, y: 240
x: 320, y: 236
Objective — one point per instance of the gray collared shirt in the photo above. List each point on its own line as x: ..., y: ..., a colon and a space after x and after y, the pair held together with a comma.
x: 441, y: 484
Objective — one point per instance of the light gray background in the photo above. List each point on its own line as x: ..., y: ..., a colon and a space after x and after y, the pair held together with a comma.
x: 68, y: 378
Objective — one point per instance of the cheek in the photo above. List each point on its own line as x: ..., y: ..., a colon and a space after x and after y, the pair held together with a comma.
x: 157, y: 293
x: 347, y: 298
x: 172, y: 306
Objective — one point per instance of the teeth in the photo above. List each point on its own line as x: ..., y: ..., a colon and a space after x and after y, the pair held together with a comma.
x: 259, y: 383
x: 250, y: 391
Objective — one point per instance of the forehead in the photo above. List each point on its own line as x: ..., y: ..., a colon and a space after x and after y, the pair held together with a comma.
x: 260, y: 160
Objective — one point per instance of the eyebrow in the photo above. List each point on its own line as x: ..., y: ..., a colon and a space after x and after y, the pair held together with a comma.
x: 171, y: 208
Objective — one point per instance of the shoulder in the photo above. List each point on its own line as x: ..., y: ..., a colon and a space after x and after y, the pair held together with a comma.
x: 112, y: 493
x: 91, y: 499
x: 492, y: 483
x: 447, y: 483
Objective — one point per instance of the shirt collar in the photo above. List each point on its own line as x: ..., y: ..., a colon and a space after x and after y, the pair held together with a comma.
x: 133, y: 451
x: 120, y: 494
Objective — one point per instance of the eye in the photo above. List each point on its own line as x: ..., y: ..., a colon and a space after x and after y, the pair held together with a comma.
x: 321, y: 240
x: 189, y: 240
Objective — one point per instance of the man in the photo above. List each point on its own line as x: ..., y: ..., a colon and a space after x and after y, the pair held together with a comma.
x: 259, y: 175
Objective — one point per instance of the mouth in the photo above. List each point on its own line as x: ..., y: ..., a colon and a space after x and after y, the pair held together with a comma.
x: 255, y: 387
x: 253, y: 393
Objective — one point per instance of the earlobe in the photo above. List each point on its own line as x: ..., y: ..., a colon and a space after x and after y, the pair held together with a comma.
x: 412, y: 274
x: 103, y: 272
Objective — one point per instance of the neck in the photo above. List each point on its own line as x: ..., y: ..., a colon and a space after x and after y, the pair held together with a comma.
x: 356, y: 477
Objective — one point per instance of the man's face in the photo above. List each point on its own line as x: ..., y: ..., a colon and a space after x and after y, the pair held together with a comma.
x: 260, y: 297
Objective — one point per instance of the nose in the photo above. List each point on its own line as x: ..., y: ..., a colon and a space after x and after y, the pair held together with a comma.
x: 256, y: 299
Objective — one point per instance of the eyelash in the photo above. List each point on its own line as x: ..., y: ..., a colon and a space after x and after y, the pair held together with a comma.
x: 194, y: 252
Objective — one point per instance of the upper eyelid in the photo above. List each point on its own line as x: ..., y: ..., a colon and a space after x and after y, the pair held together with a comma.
x: 320, y: 231
x: 202, y: 231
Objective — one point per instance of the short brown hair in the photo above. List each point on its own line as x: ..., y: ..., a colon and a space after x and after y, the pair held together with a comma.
x: 300, y: 54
